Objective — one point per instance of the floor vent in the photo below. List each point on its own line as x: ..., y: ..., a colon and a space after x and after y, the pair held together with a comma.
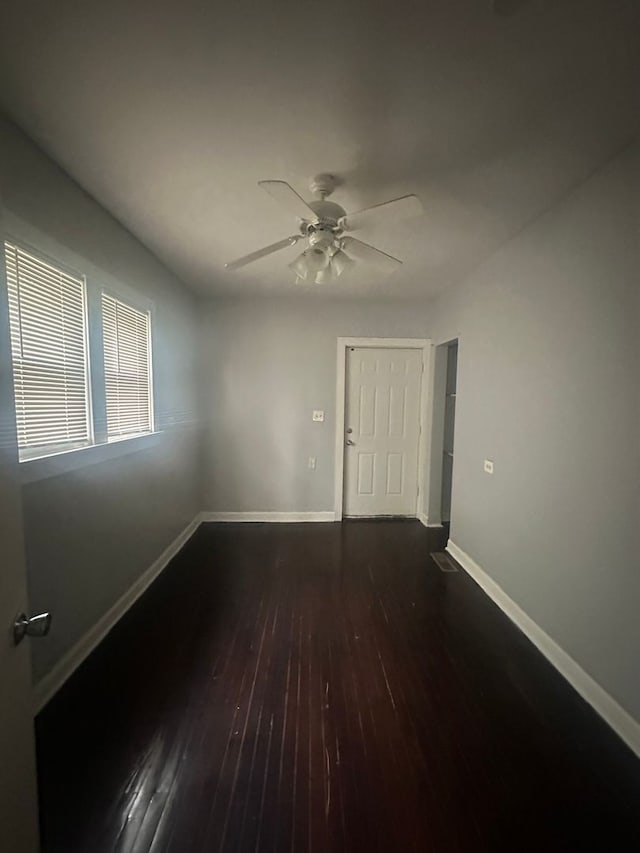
x: 443, y: 561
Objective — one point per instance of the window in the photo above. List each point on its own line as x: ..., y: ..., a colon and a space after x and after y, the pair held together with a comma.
x: 127, y: 368
x: 48, y: 320
x: 55, y: 317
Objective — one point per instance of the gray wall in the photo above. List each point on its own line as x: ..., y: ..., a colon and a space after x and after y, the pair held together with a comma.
x: 92, y: 532
x: 265, y: 366
x: 548, y: 387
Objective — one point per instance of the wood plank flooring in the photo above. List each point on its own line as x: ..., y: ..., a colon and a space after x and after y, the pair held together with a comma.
x: 325, y: 687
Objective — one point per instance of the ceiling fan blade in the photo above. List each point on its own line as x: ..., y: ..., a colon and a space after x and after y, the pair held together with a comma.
x: 397, y: 208
x: 369, y: 254
x: 261, y: 253
x: 287, y: 196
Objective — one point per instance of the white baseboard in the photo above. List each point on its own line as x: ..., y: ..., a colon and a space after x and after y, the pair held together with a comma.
x: 424, y: 519
x: 277, y: 517
x: 49, y: 685
x: 625, y: 726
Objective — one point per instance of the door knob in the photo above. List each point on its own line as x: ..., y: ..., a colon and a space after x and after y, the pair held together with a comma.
x: 350, y: 442
x: 35, y: 626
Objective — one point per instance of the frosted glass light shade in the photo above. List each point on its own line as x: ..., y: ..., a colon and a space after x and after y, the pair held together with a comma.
x: 340, y: 262
x: 324, y: 276
x: 310, y: 262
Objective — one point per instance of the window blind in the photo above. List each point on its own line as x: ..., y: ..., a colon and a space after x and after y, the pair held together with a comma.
x: 47, y: 314
x: 127, y: 368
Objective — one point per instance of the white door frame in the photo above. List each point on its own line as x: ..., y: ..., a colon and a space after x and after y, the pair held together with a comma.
x: 423, y: 344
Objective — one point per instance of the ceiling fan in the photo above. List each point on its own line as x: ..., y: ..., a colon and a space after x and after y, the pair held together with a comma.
x: 329, y: 252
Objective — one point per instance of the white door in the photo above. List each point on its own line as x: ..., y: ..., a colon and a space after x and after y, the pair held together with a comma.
x: 18, y: 801
x: 382, y: 431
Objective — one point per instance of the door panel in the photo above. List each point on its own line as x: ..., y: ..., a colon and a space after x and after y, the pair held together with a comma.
x: 365, y: 473
x: 395, y: 466
x: 18, y: 801
x: 382, y: 429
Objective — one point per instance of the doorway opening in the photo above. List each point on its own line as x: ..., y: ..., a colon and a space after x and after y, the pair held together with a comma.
x: 381, y: 394
x: 449, y: 429
x: 445, y: 388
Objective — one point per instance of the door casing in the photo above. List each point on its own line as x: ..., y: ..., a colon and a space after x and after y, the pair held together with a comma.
x: 423, y: 344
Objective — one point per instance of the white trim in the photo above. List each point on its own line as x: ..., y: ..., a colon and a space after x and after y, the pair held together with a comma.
x: 49, y: 685
x: 423, y: 518
x: 423, y: 344
x: 277, y: 517
x: 625, y: 726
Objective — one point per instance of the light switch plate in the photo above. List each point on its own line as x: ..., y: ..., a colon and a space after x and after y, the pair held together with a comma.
x: 488, y: 466
x: 312, y: 463
x: 318, y: 415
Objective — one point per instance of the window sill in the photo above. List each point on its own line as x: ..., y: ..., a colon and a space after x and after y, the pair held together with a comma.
x: 32, y: 470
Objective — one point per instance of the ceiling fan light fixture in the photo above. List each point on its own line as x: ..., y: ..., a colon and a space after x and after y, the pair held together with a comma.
x: 341, y: 262
x: 324, y: 276
x: 310, y: 262
x: 299, y: 266
x: 317, y: 259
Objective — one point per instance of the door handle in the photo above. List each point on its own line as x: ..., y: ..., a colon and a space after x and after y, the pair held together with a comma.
x: 350, y: 443
x: 34, y: 626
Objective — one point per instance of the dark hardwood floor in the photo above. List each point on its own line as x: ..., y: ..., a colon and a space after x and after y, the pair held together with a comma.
x: 324, y: 687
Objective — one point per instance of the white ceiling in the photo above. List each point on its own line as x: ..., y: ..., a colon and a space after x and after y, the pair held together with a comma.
x: 169, y: 112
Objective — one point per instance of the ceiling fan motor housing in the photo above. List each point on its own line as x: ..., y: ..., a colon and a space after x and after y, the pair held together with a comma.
x: 327, y: 211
